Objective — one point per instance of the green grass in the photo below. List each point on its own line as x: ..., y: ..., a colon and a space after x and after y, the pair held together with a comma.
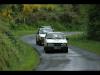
x: 23, y: 32
x: 80, y: 40
x: 56, y: 25
x: 17, y: 56
x: 24, y: 29
x: 30, y: 59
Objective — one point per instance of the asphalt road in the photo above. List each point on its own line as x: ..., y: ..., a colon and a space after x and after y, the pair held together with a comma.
x: 76, y: 60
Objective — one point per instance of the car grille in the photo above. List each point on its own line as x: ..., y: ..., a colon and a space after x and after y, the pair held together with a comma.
x: 42, y: 39
x: 57, y: 44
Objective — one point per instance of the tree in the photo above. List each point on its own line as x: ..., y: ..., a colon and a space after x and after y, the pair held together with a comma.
x: 75, y: 8
x: 94, y: 22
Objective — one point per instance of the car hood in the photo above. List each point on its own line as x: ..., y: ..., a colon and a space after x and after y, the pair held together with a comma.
x: 42, y: 35
x: 56, y: 40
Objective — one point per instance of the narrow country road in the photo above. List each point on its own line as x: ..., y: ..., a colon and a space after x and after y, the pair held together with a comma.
x: 76, y: 60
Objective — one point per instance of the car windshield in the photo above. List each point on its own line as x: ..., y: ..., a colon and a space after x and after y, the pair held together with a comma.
x: 55, y: 36
x: 44, y: 31
x: 46, y: 26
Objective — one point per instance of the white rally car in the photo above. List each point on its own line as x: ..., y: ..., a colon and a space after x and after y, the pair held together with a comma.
x: 55, y: 42
x: 41, y: 34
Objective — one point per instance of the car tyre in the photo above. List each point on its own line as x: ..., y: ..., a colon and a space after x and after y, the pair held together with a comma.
x: 65, y: 50
x: 40, y: 43
x: 46, y: 50
x: 37, y: 42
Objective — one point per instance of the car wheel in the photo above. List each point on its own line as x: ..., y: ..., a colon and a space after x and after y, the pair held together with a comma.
x: 37, y: 43
x: 40, y: 43
x: 46, y: 50
x: 65, y: 50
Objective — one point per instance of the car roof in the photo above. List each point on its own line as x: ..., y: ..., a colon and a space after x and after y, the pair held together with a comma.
x: 44, y: 28
x: 55, y: 32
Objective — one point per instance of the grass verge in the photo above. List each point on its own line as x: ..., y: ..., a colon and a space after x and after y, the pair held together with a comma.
x: 80, y: 40
x: 31, y: 58
x: 15, y: 55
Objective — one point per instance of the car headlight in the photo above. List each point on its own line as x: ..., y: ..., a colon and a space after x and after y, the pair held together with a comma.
x: 41, y: 38
x: 64, y: 44
x: 45, y: 44
x: 48, y: 44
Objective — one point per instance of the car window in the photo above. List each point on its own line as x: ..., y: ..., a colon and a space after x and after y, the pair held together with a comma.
x: 55, y: 36
x: 43, y: 31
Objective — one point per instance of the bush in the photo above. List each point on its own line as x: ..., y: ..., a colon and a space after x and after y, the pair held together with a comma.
x: 65, y: 17
x: 94, y: 23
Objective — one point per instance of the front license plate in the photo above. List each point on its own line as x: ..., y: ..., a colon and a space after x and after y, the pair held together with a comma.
x: 57, y: 48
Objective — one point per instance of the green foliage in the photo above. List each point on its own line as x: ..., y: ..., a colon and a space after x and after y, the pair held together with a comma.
x: 24, y: 18
x: 68, y: 15
x: 14, y: 54
x: 94, y: 22
x: 66, y: 18
x: 80, y: 40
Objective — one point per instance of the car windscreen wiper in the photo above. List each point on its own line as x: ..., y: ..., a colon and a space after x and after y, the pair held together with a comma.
x: 49, y: 38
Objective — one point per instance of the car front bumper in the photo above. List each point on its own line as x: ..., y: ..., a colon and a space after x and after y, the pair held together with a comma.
x: 55, y: 49
x: 41, y: 41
